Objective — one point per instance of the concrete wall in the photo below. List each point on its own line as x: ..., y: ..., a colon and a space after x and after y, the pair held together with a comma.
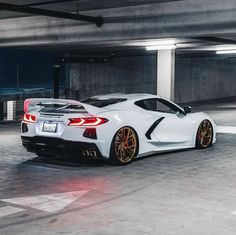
x: 196, y: 79
x: 204, y: 78
x: 121, y: 74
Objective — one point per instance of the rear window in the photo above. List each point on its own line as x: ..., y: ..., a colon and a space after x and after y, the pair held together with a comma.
x: 102, y: 102
x: 61, y: 108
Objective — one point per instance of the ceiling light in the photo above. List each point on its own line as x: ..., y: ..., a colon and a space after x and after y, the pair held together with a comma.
x: 153, y: 42
x: 224, y: 47
x: 160, y: 42
x: 226, y: 52
x: 160, y: 47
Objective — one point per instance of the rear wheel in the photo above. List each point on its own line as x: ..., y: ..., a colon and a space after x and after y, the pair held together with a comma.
x: 124, y: 147
x: 204, y: 134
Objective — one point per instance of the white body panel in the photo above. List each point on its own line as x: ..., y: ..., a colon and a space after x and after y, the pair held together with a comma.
x: 175, y: 131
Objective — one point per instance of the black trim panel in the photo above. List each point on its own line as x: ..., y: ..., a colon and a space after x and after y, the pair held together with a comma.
x: 153, y: 126
x: 59, y: 147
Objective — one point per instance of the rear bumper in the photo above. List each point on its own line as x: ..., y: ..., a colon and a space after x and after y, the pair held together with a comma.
x: 59, y: 147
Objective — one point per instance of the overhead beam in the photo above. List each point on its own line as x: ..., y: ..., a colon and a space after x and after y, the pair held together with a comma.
x: 47, y: 3
x: 58, y: 14
x: 113, y: 4
x: 216, y: 39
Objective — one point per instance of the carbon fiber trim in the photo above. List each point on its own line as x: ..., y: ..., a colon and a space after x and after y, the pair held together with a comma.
x: 60, y: 147
x: 153, y: 126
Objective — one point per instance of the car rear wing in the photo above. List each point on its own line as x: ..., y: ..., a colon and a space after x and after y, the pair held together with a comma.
x: 35, y: 104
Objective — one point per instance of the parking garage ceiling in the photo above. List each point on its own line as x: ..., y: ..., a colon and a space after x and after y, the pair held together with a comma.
x: 185, y: 44
x: 74, y: 6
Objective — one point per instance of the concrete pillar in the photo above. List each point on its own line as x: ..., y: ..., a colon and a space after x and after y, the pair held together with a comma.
x: 1, y: 111
x: 11, y: 110
x: 166, y: 73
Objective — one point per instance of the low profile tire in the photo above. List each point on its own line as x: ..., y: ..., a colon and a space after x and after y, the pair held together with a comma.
x: 124, y: 146
x: 204, y: 134
x: 43, y: 155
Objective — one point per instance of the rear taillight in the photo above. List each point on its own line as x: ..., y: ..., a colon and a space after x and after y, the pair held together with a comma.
x: 87, y: 121
x: 29, y: 118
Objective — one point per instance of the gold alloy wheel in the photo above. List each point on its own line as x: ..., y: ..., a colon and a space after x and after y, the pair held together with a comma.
x: 125, y: 144
x: 205, y: 133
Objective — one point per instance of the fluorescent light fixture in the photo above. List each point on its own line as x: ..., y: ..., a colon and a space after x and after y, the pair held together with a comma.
x: 161, y: 47
x: 160, y: 42
x: 226, y: 52
x: 224, y: 48
x: 153, y: 42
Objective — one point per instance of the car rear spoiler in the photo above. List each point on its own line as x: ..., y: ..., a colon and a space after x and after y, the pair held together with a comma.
x: 34, y: 104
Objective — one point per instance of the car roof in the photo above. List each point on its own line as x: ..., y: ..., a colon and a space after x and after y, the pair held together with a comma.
x: 130, y: 99
x: 131, y: 96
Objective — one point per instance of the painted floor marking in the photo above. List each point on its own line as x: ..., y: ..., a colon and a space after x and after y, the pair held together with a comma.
x: 10, y: 210
x: 226, y: 129
x: 50, y: 202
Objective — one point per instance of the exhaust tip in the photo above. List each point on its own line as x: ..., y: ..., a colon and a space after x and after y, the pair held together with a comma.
x: 89, y: 153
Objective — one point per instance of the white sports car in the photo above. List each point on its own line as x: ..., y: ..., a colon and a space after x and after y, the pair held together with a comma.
x: 116, y: 127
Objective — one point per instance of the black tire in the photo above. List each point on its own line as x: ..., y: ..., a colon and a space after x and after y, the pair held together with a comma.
x: 204, y: 135
x: 121, y: 151
x: 43, y: 155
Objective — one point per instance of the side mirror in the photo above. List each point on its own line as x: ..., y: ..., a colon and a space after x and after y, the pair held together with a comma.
x: 187, y: 109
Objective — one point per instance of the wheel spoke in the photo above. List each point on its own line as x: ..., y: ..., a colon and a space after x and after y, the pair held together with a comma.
x: 125, y: 145
x: 205, y: 134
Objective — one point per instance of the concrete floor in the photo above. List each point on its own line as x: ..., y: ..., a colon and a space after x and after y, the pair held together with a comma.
x: 186, y: 192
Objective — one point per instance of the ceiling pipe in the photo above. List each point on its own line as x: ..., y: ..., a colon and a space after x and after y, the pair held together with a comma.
x: 48, y: 3
x: 37, y: 11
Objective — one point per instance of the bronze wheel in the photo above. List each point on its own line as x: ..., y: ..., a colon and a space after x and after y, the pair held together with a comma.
x: 124, y: 147
x: 204, y: 134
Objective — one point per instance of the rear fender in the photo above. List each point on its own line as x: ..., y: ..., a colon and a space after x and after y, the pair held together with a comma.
x: 117, y: 119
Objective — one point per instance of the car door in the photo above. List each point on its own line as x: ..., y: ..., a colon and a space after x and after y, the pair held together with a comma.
x: 173, y: 128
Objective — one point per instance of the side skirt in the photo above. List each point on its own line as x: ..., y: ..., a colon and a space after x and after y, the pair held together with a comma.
x: 164, y: 151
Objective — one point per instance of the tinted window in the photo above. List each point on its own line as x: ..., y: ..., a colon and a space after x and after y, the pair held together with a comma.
x: 61, y: 108
x: 158, y: 105
x: 102, y: 102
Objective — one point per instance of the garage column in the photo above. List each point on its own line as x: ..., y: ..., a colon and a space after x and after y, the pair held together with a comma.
x: 1, y: 111
x: 166, y: 73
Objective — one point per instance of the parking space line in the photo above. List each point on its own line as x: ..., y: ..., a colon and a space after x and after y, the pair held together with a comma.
x: 50, y: 202
x: 10, y: 210
x: 226, y: 129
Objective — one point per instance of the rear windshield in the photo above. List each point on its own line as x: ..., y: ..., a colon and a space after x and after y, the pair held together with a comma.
x: 102, y: 102
x: 61, y: 108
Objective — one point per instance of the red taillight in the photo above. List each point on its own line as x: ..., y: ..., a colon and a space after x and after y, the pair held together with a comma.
x: 29, y: 118
x: 87, y: 121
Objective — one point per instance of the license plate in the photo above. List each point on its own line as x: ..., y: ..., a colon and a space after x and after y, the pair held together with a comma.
x: 49, y: 127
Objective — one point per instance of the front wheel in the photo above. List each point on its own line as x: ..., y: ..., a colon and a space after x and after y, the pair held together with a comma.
x: 124, y: 147
x: 204, y: 134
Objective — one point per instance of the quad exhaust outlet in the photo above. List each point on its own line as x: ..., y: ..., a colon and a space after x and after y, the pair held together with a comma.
x: 89, y: 153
